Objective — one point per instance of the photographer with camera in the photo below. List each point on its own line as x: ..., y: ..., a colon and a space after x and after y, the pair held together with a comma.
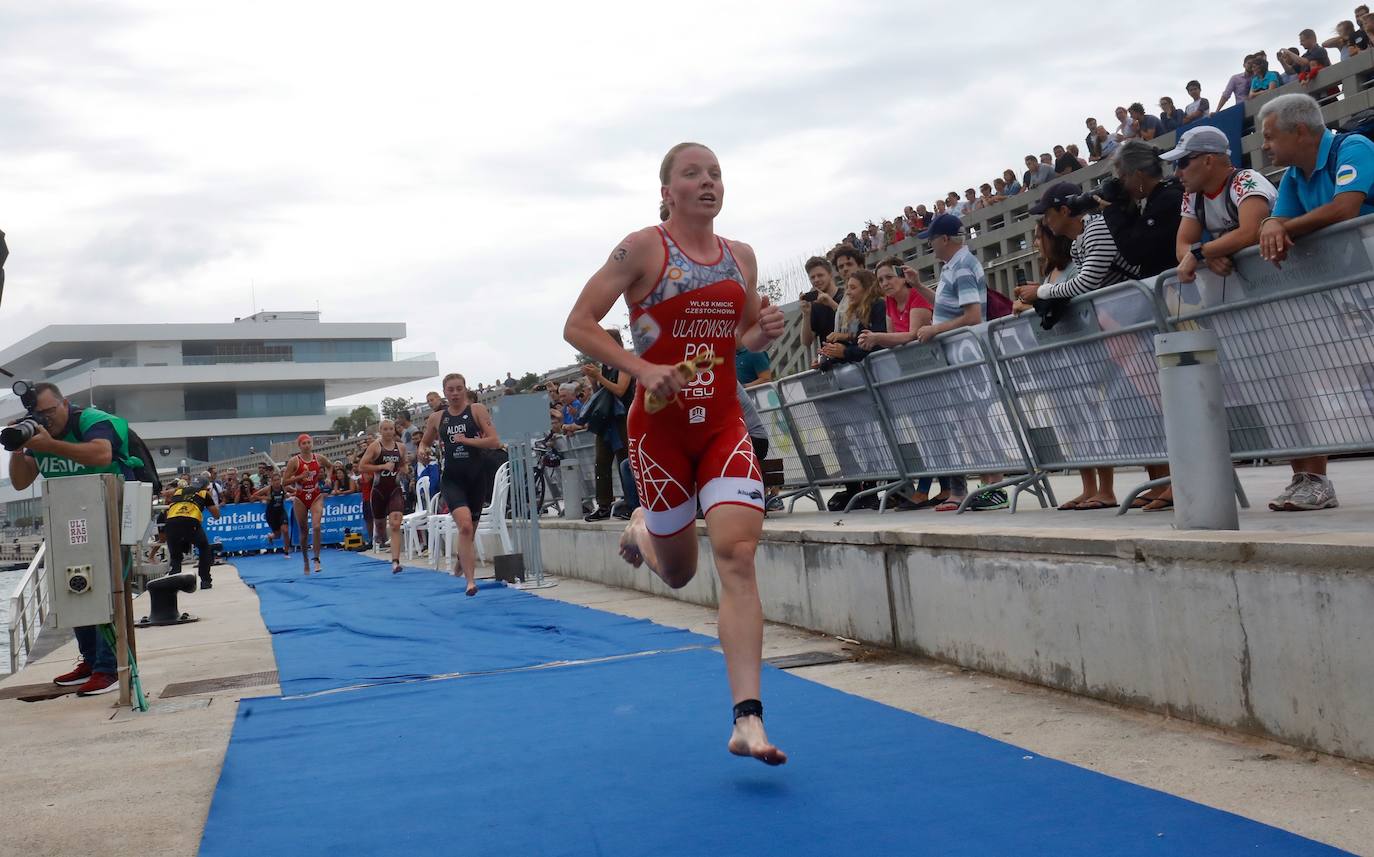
x: 56, y: 439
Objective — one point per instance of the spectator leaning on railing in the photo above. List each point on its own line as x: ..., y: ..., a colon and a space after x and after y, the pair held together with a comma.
x: 1170, y: 117
x: 862, y: 311
x: 1037, y: 174
x: 1012, y: 189
x: 1220, y: 200
x: 1349, y: 40
x: 1107, y: 144
x: 1197, y: 105
x: 959, y: 300
x: 1261, y: 78
x: 1328, y: 181
x: 907, y: 311
x: 1126, y: 129
x: 1094, y: 252
x: 1147, y: 127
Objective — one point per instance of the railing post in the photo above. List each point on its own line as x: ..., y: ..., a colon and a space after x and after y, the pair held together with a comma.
x: 1195, y: 430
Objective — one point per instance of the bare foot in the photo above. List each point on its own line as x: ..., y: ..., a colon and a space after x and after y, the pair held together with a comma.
x: 749, y: 739
x: 395, y: 567
x: 629, y: 546
x: 471, y: 590
x: 1070, y: 505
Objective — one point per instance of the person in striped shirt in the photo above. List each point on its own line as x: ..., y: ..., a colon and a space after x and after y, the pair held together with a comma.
x: 1065, y: 211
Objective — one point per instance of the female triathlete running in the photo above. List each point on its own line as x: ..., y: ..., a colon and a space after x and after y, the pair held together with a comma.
x: 274, y: 494
x: 383, y: 460
x: 304, y: 472
x: 464, y: 429
x: 692, y: 298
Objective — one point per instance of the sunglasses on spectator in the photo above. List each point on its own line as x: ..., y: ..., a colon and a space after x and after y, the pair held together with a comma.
x: 1183, y: 162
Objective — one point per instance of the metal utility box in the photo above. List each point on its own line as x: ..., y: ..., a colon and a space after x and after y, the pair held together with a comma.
x: 83, y: 516
x: 521, y: 417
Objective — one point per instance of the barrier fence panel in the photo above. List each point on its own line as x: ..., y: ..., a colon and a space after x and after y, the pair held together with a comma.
x: 1087, y: 390
x: 947, y: 413
x: 582, y: 448
x: 1297, y: 343
x: 782, y: 443
x: 838, y: 427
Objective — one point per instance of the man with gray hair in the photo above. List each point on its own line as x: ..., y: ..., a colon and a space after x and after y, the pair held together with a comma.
x: 1328, y: 181
x: 569, y: 409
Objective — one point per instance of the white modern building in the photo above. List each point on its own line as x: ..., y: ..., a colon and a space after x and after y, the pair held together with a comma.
x: 204, y: 392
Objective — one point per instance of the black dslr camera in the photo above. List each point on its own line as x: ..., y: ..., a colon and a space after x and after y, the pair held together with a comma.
x: 1110, y: 190
x: 13, y: 438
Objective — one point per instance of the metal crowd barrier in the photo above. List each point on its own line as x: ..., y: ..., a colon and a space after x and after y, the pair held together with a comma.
x: 839, y: 429
x: 1297, y: 343
x: 581, y: 447
x: 948, y: 414
x: 783, y: 444
x: 1086, y: 391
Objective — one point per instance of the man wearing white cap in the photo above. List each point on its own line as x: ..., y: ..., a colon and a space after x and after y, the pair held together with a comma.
x: 1225, y: 203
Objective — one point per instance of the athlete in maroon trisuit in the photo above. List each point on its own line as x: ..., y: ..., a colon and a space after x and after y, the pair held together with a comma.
x: 384, y: 459
x: 692, y: 298
x: 303, y: 472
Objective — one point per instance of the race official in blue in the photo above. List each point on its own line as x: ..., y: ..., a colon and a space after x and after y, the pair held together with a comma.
x: 1328, y: 181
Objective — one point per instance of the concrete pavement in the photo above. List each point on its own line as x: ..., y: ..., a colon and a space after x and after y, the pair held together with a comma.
x: 77, y: 778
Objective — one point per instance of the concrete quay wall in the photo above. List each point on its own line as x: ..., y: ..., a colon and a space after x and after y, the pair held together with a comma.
x: 1270, y: 638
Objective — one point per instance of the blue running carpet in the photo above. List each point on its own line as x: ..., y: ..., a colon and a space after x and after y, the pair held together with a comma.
x: 357, y: 623
x: 627, y: 757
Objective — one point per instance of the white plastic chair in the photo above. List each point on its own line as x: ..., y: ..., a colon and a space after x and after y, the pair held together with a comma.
x: 494, y: 518
x: 443, y: 536
x: 414, y: 522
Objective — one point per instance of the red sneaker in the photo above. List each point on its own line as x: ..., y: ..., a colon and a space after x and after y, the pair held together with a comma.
x: 75, y: 677
x: 97, y: 684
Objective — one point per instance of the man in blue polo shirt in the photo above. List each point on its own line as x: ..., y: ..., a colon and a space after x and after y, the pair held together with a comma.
x: 1327, y: 182
x: 960, y: 300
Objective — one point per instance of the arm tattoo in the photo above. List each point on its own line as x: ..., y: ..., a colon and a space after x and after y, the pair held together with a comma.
x: 620, y: 254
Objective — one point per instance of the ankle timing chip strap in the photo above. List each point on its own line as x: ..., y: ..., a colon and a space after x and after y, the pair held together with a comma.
x: 749, y: 707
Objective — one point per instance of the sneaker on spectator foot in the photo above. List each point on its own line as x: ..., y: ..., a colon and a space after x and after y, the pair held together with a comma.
x: 988, y: 501
x: 600, y: 513
x: 1309, y: 493
x: 76, y: 677
x: 1277, y: 504
x: 774, y: 504
x: 97, y: 684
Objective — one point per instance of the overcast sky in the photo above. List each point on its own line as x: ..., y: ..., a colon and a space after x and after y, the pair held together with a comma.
x: 465, y: 167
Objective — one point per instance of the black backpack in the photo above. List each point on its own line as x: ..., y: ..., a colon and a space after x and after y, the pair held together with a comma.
x: 147, y: 472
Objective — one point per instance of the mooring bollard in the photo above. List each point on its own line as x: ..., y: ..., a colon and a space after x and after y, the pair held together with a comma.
x: 1195, y: 431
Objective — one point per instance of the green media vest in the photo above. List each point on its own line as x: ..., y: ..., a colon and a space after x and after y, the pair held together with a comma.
x: 121, y: 462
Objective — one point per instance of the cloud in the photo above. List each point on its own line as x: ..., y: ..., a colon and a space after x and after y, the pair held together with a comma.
x: 466, y: 168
